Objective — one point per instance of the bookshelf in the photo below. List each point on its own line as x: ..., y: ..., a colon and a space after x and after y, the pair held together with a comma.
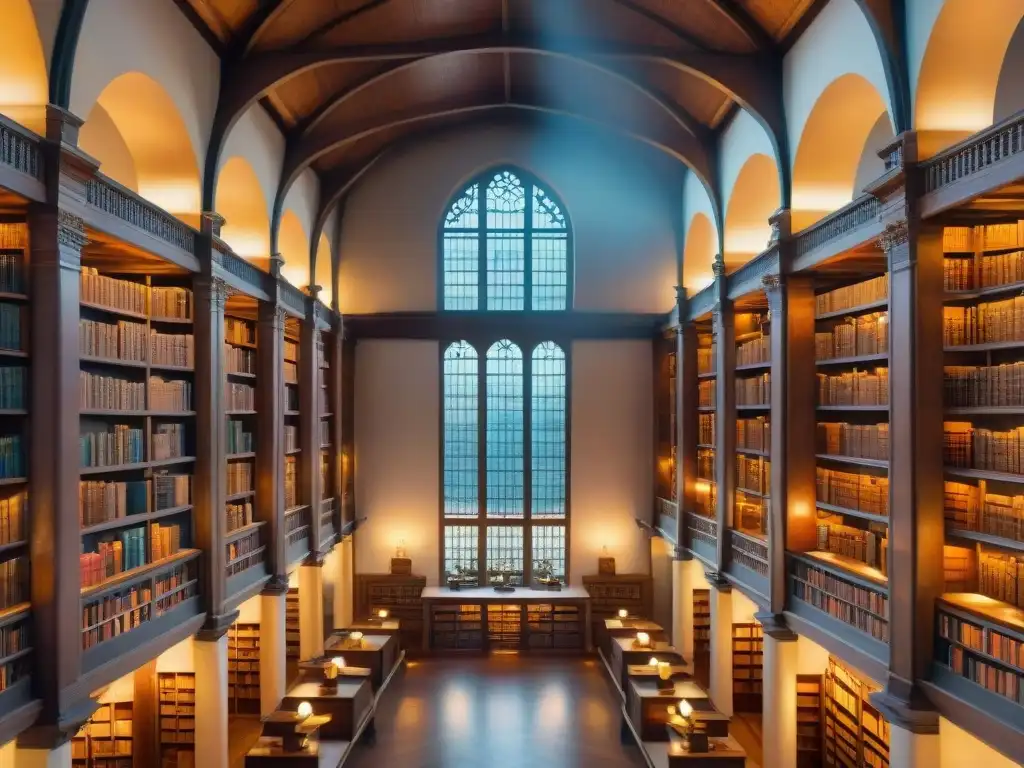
x: 137, y: 360
x: 809, y: 734
x: 296, y: 503
x: 747, y: 666
x: 753, y: 437
x: 291, y: 623
x: 666, y: 420
x: 504, y: 626
x: 327, y: 369
x: 457, y: 627
x: 241, y: 368
x: 244, y: 669
x: 554, y: 627
x: 855, y: 733
x: 400, y: 595
x: 844, y: 588
x: 105, y: 741
x: 702, y: 636
x: 177, y: 713
x: 705, y: 488
x: 851, y: 342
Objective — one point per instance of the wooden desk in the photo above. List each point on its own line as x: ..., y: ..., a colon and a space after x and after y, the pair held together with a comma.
x: 647, y: 708
x: 725, y: 753
x: 479, y: 619
x: 624, y: 654
x: 267, y: 753
x: 628, y: 627
x: 374, y: 627
x: 347, y: 707
x: 378, y: 653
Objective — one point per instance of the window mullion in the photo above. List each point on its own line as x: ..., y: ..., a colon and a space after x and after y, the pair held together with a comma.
x: 527, y: 468
x: 481, y: 402
x: 528, y: 247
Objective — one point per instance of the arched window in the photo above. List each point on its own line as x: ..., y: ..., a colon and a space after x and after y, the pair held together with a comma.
x: 513, y: 255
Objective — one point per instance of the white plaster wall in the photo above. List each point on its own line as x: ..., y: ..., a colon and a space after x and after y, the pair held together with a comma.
x: 397, y: 434
x: 959, y: 748
x: 255, y: 138
x: 743, y: 137
x: 154, y: 38
x: 921, y: 16
x: 838, y: 41
x: 612, y: 482
x: 303, y: 198
x: 743, y: 608
x: 661, y: 577
x: 100, y: 138
x: 177, y: 658
x: 47, y: 13
x: 696, y: 201
x: 1010, y: 91
x: 622, y: 223
x: 871, y: 166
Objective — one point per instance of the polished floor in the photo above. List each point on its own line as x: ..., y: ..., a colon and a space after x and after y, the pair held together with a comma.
x: 498, y: 712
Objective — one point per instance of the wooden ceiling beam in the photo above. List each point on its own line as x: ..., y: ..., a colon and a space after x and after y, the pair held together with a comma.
x: 260, y: 20
x: 745, y: 23
x: 683, y: 34
x: 340, y: 20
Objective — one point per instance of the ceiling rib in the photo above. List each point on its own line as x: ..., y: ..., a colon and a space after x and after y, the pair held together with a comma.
x: 746, y: 23
x: 683, y: 34
x: 259, y: 22
x: 339, y: 21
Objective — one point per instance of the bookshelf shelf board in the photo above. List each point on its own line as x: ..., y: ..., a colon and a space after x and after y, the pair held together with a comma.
x: 114, y: 468
x: 240, y: 456
x: 985, y: 538
x: 293, y: 451
x: 291, y: 359
x: 748, y: 492
x: 242, y: 344
x: 706, y: 446
x: 15, y: 656
x: 291, y: 413
x: 326, y: 415
x: 709, y: 375
x: 291, y: 383
x: 989, y: 347
x: 750, y: 452
x: 983, y: 474
x: 12, y: 545
x: 849, y: 566
x: 110, y: 412
x: 14, y: 612
x: 171, y: 320
x: 856, y: 359
x: 130, y: 520
x: 755, y: 366
x: 240, y: 496
x: 171, y: 462
x: 170, y: 414
x: 239, y: 533
x: 989, y: 410
x: 172, y: 368
x: 113, y: 310
x: 241, y: 375
x: 881, y: 463
x: 869, y: 307
x: 869, y: 408
x: 112, y: 361
x: 240, y: 413
x: 7, y: 296
x: 13, y: 480
x: 325, y: 446
x: 977, y: 293
x: 853, y: 512
x: 296, y: 508
x: 707, y: 408
x: 13, y: 353
x: 13, y: 412
x: 754, y: 407
x: 986, y: 608
x: 126, y: 577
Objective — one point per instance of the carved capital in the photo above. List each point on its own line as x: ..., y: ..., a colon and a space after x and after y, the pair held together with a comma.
x: 280, y: 315
x: 70, y: 231
x: 718, y: 265
x: 775, y: 627
x: 276, y: 263
x: 216, y: 626
x: 277, y: 586
x: 718, y: 581
x: 212, y: 223
x: 220, y: 292
x: 771, y: 283
x: 905, y: 705
x: 62, y: 126
x: 896, y: 233
x: 781, y: 223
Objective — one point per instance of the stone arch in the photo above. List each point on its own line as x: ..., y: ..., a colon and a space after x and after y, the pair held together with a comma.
x: 241, y: 201
x: 961, y: 67
x: 700, y: 235
x: 834, y: 141
x: 293, y: 244
x: 24, y: 84
x: 323, y: 268
x: 755, y: 197
x: 139, y: 122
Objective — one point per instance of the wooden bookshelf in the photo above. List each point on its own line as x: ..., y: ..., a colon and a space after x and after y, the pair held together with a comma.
x: 241, y: 378
x: 705, y: 496
x: 457, y: 627
x: 504, y: 626
x: 855, y: 733
x: 747, y: 666
x: 294, y: 495
x: 554, y: 627
x: 665, y: 423
x: 105, y: 741
x: 400, y: 595
x: 809, y: 734
x: 702, y: 637
x: 244, y: 669
x: 291, y: 623
x: 177, y: 713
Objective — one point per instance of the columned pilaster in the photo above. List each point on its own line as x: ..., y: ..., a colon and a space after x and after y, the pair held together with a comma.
x: 344, y: 598
x: 210, y: 655
x: 273, y: 646
x: 724, y: 329
x: 57, y: 757
x: 686, y: 439
x: 682, y: 605
x: 721, y: 643
x: 779, y: 675
x: 270, y: 434
x: 908, y: 749
x: 311, y: 609
x: 309, y: 418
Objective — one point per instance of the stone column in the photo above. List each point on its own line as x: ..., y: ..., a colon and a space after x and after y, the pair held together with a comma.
x: 344, y: 596
x: 311, y: 609
x: 682, y: 606
x: 273, y: 646
x: 721, y: 644
x: 908, y: 749
x: 59, y: 757
x: 724, y: 328
x: 779, y: 694
x: 210, y: 652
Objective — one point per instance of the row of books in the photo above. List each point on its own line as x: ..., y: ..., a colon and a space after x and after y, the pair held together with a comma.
x: 706, y: 394
x: 957, y: 274
x: 240, y: 476
x: 973, y: 386
x: 706, y: 428
x: 985, y: 237
x: 866, y: 493
x: 291, y: 351
x: 706, y: 463
x: 1002, y: 269
x: 757, y: 350
x: 751, y: 514
x: 325, y: 406
x: 13, y: 381
x: 865, y: 441
x: 99, y: 392
x: 169, y: 394
x: 984, y: 323
x: 965, y: 445
x: 291, y: 482
x: 753, y: 474
x: 239, y: 331
x: 864, y: 335
x: 13, y: 512
x: 966, y: 509
x: 239, y: 397
x: 238, y: 515
x: 1001, y: 577
x: 1004, y: 682
x: 291, y: 398
x: 121, y: 445
x: 10, y: 326
x: 115, y: 341
x: 172, y: 490
x: 854, y: 388
x: 14, y: 582
x: 114, y: 556
x: 100, y: 500
x: 124, y: 295
x: 164, y: 540
x: 176, y: 349
x: 291, y: 373
x: 239, y: 440
x: 866, y: 546
x: 755, y: 434
x: 171, y: 302
x: 863, y: 608
x: 850, y: 296
x: 14, y: 638
x: 995, y: 644
x: 239, y: 359
x: 12, y: 457
x: 12, y: 266
x: 246, y: 545
x: 754, y: 390
x: 168, y: 442
x: 291, y: 437
x: 325, y: 434
x: 707, y: 359
x: 115, y: 614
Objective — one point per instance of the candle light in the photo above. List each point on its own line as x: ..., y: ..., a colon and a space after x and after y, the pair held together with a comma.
x: 338, y: 662
x: 382, y: 613
x: 671, y: 710
x: 643, y: 639
x: 664, y: 670
x: 653, y: 662
x: 357, y: 638
x: 305, y: 709
x: 685, y: 709
x: 623, y: 613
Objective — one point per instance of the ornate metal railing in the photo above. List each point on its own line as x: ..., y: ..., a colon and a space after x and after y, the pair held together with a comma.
x: 244, y: 549
x: 238, y: 267
x: 976, y: 154
x: 20, y: 150
x: 861, y: 211
x: 110, y: 197
x: 702, y: 303
x: 665, y: 508
x: 293, y: 298
x: 702, y: 529
x: 296, y: 524
x: 750, y: 552
x: 328, y: 513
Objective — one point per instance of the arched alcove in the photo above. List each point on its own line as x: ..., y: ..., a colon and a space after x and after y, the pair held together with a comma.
x: 294, y: 247
x: 323, y: 273
x: 240, y: 200
x: 755, y: 196
x: 139, y: 115
x: 699, y: 253
x: 831, y: 147
x: 24, y: 86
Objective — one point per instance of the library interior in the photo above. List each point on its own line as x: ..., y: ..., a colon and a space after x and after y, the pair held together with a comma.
x: 710, y: 455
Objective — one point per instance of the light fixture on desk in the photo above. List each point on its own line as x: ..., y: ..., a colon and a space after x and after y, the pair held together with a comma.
x: 623, y: 613
x: 643, y: 640
x: 653, y: 662
x: 305, y: 709
x: 330, y: 684
x: 665, y: 682
x: 356, y: 638
x: 382, y: 614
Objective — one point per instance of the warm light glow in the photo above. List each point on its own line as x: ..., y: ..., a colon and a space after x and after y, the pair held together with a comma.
x: 357, y: 636
x: 174, y: 196
x: 685, y: 709
x: 305, y: 709
x: 643, y: 639
x: 293, y: 245
x: 754, y: 197
x: 400, y: 548
x: 623, y: 613
x: 241, y: 201
x: 701, y: 246
x: 664, y: 670
x: 671, y: 709
x: 702, y: 486
x: 338, y: 662
x: 382, y: 613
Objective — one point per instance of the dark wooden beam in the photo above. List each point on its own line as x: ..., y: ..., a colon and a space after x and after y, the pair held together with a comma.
x: 745, y: 23
x: 66, y: 44
x: 260, y: 20
x: 340, y: 20
x: 199, y: 23
x: 790, y: 38
x: 684, y: 35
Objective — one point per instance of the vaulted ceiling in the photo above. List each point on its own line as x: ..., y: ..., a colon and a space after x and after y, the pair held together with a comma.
x: 347, y: 79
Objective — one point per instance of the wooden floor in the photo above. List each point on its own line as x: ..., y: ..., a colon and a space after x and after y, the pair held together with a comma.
x: 498, y: 712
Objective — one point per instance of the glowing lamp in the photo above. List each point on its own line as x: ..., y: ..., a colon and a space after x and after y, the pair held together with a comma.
x: 338, y: 662
x: 400, y: 549
x: 664, y: 673
x: 623, y: 613
x: 643, y: 639
x: 653, y: 662
x: 671, y: 710
x: 685, y: 710
x: 305, y: 709
x: 382, y: 614
x: 356, y: 638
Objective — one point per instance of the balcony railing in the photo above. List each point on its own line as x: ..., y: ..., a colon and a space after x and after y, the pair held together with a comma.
x: 20, y: 150
x: 245, y: 550
x: 865, y: 209
x: 16, y: 663
x: 110, y: 197
x: 976, y: 154
x: 749, y: 551
x: 297, y: 530
x: 328, y: 516
x: 293, y: 298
